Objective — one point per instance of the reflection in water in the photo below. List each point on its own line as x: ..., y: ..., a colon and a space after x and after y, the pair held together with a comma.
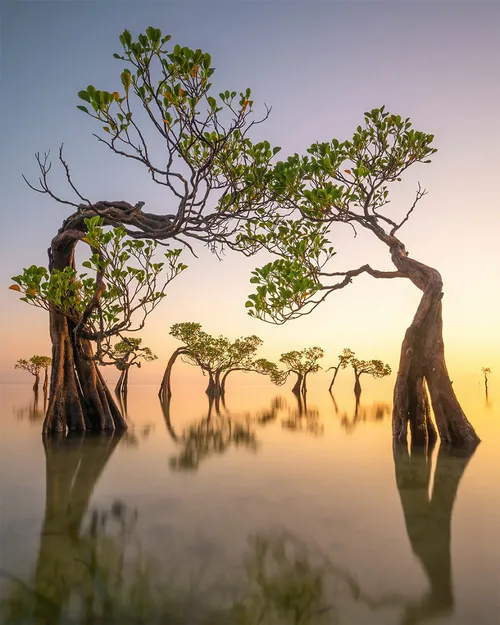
x: 428, y: 523
x: 303, y: 419
x: 362, y: 414
x: 73, y: 466
x: 35, y: 411
x: 93, y: 571
x: 215, y: 433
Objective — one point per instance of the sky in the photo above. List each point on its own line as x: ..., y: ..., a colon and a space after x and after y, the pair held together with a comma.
x: 319, y: 65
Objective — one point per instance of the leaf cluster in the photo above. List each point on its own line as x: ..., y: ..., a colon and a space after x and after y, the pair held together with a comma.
x: 34, y: 364
x: 375, y: 368
x: 124, y: 284
x: 204, y: 132
x: 304, y: 361
x: 336, y: 182
x: 128, y: 352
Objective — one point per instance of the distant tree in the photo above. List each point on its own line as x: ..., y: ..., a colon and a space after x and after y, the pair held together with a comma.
x: 45, y: 362
x: 129, y: 353
x: 344, y: 359
x: 217, y: 356
x: 189, y: 333
x: 486, y: 372
x: 200, y: 349
x: 301, y: 363
x: 34, y: 365
x: 375, y: 368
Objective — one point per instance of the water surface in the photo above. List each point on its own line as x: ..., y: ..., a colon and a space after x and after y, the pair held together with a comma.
x: 262, y: 511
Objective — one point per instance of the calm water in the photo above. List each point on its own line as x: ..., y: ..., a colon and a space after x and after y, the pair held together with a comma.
x: 259, y: 512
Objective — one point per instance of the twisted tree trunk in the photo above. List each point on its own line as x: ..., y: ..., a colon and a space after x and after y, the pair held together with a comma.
x: 37, y: 382
x: 357, y: 385
x: 224, y: 378
x: 79, y: 399
x: 304, y: 383
x: 297, y: 388
x: 210, y: 390
x: 45, y: 381
x: 335, y: 372
x: 165, y: 391
x: 121, y: 387
x: 422, y: 367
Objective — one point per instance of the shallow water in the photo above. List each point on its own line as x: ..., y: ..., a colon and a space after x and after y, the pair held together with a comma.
x: 260, y: 511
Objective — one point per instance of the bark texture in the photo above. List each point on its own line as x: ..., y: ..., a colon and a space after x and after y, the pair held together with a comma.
x: 121, y: 387
x: 422, y: 368
x: 298, y: 386
x: 79, y: 398
x: 165, y: 391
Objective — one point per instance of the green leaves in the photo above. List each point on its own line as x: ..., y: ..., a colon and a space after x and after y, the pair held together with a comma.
x: 375, y: 368
x: 34, y: 364
x: 304, y: 361
x: 126, y: 280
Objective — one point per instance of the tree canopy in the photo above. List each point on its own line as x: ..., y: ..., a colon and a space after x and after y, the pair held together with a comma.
x: 301, y: 363
x: 347, y: 183
x: 125, y: 284
x: 196, y: 145
x: 218, y: 356
x: 337, y: 182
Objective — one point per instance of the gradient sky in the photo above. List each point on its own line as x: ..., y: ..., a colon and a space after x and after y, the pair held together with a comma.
x: 320, y: 65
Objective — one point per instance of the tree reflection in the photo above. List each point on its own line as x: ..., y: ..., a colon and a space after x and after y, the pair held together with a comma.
x: 211, y: 435
x: 91, y: 570
x: 303, y: 419
x: 428, y: 522
x: 34, y: 412
x: 73, y: 466
x: 363, y: 414
x: 217, y: 431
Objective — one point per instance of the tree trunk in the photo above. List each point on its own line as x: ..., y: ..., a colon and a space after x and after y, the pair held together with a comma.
x: 298, y: 384
x: 125, y: 382
x: 224, y: 378
x: 213, y: 388
x: 210, y: 387
x: 422, y: 368
x: 357, y: 385
x: 119, y: 384
x: 45, y: 381
x: 166, y: 387
x: 336, y: 370
x: 217, y: 386
x: 304, y: 384
x: 79, y: 398
x: 37, y: 382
